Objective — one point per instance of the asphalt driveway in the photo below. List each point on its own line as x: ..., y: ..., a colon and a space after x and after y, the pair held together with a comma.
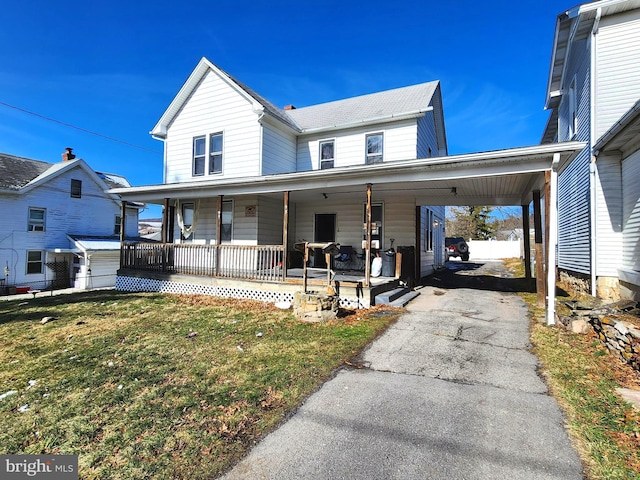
x: 448, y: 392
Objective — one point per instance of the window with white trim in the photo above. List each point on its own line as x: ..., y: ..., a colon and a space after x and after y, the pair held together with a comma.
x: 226, y: 228
x: 215, y: 153
x: 327, y: 153
x: 36, y: 219
x: 117, y: 225
x: 199, y: 155
x: 374, y: 144
x: 34, y: 261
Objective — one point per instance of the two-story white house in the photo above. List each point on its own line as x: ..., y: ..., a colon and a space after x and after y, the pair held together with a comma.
x: 246, y: 182
x: 59, y: 226
x: 593, y: 93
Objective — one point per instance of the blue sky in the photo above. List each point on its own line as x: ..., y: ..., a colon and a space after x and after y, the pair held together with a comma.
x: 113, y: 67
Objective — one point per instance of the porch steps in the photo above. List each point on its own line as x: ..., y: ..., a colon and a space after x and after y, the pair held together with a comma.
x: 398, y: 297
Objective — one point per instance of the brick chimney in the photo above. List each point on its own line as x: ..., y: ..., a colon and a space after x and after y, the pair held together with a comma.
x: 67, y: 155
x: 289, y: 107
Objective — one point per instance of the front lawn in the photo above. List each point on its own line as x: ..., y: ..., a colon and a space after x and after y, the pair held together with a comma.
x: 160, y: 386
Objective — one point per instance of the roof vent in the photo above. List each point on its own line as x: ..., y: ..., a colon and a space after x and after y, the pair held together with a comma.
x: 289, y: 107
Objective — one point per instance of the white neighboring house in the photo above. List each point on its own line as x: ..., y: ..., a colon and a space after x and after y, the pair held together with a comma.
x: 59, y: 226
x: 593, y: 93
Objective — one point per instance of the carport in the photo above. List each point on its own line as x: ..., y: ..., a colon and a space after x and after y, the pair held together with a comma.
x: 511, y: 177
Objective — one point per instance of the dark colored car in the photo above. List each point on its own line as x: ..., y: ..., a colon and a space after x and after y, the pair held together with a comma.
x: 456, y: 247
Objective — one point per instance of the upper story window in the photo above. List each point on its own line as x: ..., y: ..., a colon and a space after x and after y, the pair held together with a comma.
x: 117, y: 225
x: 76, y: 188
x: 327, y: 150
x: 215, y: 153
x: 36, y: 219
x: 199, y: 155
x: 573, y: 116
x: 374, y: 148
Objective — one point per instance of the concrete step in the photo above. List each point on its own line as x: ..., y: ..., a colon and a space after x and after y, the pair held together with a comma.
x: 404, y: 299
x: 396, y: 297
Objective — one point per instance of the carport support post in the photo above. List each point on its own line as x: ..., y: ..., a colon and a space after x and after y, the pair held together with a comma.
x: 527, y: 242
x: 367, y: 250
x: 285, y: 233
x: 537, y: 225
x: 552, y: 214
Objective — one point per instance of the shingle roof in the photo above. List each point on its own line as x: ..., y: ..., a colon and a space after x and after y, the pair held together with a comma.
x: 387, y: 104
x: 16, y: 172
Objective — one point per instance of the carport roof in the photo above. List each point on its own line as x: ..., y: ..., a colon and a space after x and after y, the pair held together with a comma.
x: 501, y: 177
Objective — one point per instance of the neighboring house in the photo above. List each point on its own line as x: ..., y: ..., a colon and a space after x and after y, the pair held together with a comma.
x: 234, y: 163
x: 51, y: 215
x: 593, y: 89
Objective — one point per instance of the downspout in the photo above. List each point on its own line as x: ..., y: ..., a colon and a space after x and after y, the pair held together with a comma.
x: 260, y: 112
x: 592, y: 166
x: 164, y: 156
x: 553, y: 241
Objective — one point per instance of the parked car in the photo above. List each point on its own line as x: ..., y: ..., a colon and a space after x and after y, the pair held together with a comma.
x: 456, y: 247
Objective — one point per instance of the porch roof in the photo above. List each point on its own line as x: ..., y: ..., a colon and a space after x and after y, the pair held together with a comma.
x: 501, y: 177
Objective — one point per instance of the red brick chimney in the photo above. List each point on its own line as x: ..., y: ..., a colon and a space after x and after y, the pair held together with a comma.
x: 67, y: 155
x: 289, y: 107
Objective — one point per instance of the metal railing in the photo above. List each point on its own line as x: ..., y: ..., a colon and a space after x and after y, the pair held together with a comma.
x: 251, y: 262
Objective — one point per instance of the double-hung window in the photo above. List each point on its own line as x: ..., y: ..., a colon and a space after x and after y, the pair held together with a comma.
x: 199, y: 155
x: 34, y: 261
x: 76, y: 188
x: 215, y: 153
x: 327, y: 151
x: 573, y: 116
x: 374, y: 148
x: 117, y: 225
x: 36, y: 219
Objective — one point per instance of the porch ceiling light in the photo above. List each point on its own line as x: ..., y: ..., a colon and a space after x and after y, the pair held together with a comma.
x: 454, y: 190
x: 325, y: 195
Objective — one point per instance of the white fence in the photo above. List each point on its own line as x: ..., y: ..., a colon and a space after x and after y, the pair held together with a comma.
x: 494, y: 249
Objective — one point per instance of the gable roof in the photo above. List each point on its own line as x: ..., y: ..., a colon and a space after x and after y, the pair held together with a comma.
x: 20, y: 175
x: 405, y: 102
x: 19, y: 171
x: 374, y: 107
x: 261, y: 104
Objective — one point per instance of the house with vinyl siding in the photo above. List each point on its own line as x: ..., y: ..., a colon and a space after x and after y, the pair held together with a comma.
x: 594, y: 84
x: 246, y: 181
x: 59, y: 226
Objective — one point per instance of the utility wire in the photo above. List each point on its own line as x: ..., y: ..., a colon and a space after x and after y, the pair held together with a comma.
x: 80, y: 128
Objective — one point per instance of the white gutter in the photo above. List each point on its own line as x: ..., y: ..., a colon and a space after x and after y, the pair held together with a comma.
x: 592, y: 165
x: 553, y: 241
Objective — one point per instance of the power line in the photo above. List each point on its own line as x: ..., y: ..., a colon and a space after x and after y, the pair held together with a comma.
x: 80, y: 128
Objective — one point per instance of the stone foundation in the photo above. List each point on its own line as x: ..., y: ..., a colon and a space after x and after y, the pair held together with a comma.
x: 608, y: 288
x: 315, y: 307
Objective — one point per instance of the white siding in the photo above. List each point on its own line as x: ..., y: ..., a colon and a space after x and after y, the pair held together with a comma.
x: 270, y: 213
x: 399, y: 143
x: 103, y: 270
x: 617, y: 68
x: 631, y: 212
x: 214, y: 107
x: 574, y: 225
x: 92, y: 214
x: 608, y: 216
x: 278, y: 151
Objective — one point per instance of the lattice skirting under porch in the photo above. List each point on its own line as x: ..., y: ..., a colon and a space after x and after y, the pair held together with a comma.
x: 136, y: 284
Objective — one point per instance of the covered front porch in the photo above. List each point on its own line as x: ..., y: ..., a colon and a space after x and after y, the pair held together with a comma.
x: 281, y: 208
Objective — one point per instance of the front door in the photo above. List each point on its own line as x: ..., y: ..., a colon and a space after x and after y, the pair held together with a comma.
x: 324, y: 231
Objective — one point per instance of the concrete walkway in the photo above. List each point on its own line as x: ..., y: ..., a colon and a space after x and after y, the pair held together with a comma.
x: 449, y: 392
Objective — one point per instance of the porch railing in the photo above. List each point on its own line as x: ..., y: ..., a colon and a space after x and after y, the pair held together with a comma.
x: 251, y: 262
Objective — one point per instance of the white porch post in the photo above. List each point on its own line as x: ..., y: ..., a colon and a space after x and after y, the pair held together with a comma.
x: 553, y: 241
